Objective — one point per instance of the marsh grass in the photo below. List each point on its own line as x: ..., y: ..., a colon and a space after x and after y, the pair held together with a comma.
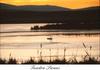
x: 10, y: 61
x: 2, y: 61
x: 87, y: 59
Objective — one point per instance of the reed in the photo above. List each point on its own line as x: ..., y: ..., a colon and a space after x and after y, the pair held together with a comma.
x: 3, y: 61
x: 12, y: 61
x: 87, y: 59
x: 90, y: 60
x: 30, y: 61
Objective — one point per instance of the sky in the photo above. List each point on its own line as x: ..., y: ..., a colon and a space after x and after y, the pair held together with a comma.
x: 63, y: 3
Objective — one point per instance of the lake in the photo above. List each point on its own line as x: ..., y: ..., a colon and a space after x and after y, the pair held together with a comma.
x: 18, y: 41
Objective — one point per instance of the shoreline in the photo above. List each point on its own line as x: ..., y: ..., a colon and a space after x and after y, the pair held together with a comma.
x: 56, y: 30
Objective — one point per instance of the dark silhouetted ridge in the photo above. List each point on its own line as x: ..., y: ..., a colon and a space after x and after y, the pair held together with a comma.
x: 33, y: 7
x: 47, y: 14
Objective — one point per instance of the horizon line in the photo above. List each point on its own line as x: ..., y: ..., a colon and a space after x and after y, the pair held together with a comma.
x: 49, y: 5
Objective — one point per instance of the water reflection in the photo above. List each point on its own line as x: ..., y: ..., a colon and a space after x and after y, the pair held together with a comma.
x: 23, y: 45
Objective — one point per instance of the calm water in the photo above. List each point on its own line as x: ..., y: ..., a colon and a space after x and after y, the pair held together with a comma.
x: 18, y: 41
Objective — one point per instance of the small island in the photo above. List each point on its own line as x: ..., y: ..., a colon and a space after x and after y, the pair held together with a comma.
x: 68, y: 26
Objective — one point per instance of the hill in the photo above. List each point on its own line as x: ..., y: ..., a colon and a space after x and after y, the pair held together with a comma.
x: 32, y: 7
x: 46, y: 13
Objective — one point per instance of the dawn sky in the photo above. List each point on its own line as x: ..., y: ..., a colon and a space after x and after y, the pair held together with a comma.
x: 64, y: 3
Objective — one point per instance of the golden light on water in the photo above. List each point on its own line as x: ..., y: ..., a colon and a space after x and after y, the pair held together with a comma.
x: 23, y: 45
x: 64, y: 3
x: 22, y: 48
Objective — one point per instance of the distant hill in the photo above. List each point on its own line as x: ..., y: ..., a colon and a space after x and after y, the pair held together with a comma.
x: 90, y: 8
x: 33, y: 7
x: 6, y: 6
x: 46, y: 13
